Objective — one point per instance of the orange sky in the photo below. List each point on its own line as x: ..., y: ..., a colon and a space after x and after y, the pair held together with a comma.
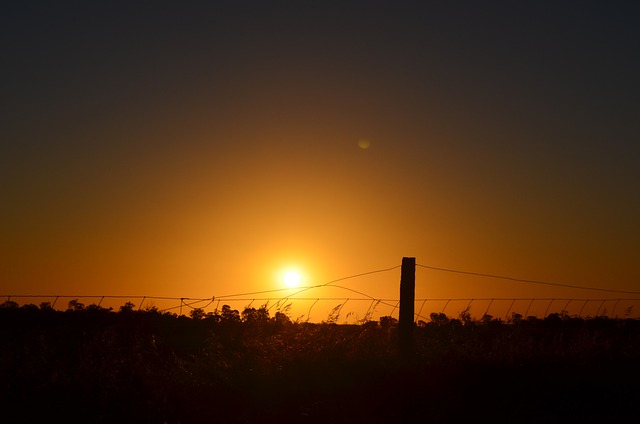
x: 200, y: 159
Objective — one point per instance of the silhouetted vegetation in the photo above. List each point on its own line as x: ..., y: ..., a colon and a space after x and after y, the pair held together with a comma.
x: 93, y: 364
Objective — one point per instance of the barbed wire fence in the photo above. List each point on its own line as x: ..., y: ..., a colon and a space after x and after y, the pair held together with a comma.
x: 478, y: 308
x: 364, y: 307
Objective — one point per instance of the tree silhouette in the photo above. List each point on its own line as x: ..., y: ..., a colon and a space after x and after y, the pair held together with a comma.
x: 281, y: 318
x: 255, y: 316
x: 75, y: 305
x: 388, y: 321
x: 197, y: 313
x: 229, y: 315
x: 127, y: 307
x: 46, y: 306
x: 438, y: 318
x: 9, y: 304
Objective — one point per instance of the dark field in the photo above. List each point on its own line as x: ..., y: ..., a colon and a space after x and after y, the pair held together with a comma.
x: 90, y: 364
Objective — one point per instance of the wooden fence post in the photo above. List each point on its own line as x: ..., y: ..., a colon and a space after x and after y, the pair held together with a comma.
x: 407, y: 305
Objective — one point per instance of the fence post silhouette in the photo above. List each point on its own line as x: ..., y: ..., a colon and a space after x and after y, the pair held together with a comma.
x: 407, y: 306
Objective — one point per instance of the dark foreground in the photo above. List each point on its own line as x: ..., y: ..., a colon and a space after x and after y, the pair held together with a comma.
x: 94, y: 365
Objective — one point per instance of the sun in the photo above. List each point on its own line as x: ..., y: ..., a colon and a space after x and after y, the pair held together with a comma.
x: 291, y: 275
x: 292, y: 279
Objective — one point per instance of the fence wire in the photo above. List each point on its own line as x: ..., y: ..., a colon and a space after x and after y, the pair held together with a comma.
x: 362, y: 307
x: 352, y: 309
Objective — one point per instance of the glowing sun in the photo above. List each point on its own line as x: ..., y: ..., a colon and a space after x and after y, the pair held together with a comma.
x: 292, y: 279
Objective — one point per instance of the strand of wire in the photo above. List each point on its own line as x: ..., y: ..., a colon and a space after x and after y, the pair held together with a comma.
x: 523, y: 280
x: 331, y: 283
x: 306, y: 288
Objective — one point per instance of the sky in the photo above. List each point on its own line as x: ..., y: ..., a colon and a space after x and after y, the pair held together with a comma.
x: 199, y: 149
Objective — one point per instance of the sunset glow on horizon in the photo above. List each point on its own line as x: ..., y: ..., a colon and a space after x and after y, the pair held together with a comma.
x: 215, y: 150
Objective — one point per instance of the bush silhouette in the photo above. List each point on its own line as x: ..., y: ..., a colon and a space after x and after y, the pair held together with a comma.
x: 150, y: 366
